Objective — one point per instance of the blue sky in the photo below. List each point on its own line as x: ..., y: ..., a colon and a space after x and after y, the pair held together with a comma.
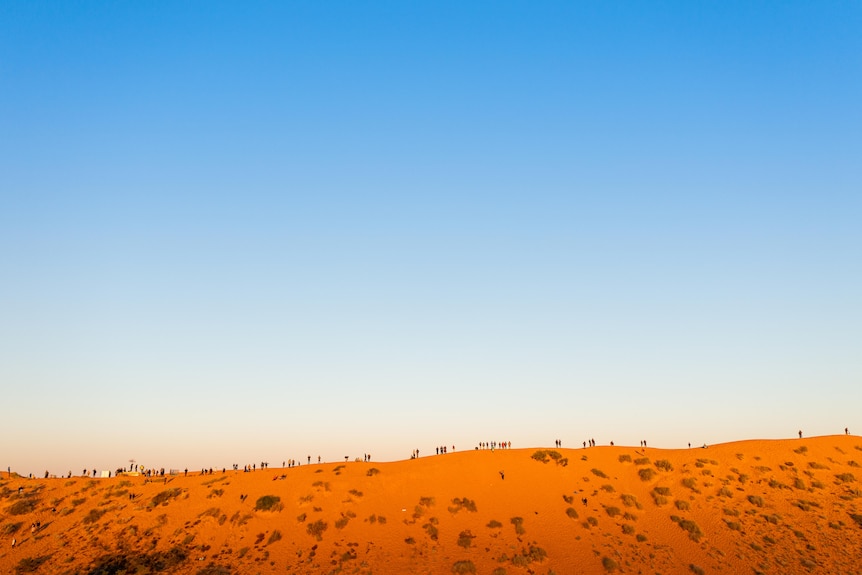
x: 234, y: 233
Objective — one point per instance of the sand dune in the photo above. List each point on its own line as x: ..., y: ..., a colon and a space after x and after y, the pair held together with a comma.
x: 790, y: 506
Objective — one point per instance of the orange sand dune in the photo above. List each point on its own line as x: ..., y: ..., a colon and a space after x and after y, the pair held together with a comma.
x: 790, y: 506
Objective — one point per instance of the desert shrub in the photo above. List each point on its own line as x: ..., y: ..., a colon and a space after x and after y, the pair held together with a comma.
x: 625, y: 458
x: 11, y: 528
x: 725, y: 492
x: 76, y: 502
x: 213, y: 569
x: 242, y: 552
x: 372, y: 472
x: 494, y: 524
x: 22, y: 506
x: 630, y: 516
x: 646, y: 473
x: 599, y: 473
x: 463, y: 567
x: 30, y: 564
x: 268, y: 503
x: 431, y: 530
x: 630, y: 501
x: 128, y: 562
x: 381, y: 519
x: 342, y: 522
x: 682, y: 505
x: 815, y: 465
x: 799, y: 484
x: 410, y: 541
x: 465, y: 539
x: 607, y: 487
x: 733, y: 525
x: 641, y: 537
x: 612, y: 511
x: 690, y: 483
x: 426, y: 501
x: 316, y: 529
x: 857, y: 518
x: 852, y: 463
x: 355, y: 493
x: 774, y: 518
x: 695, y: 569
x: 463, y: 503
x: 642, y: 461
x: 518, y: 522
x: 691, y: 528
x: 274, y: 536
x: 93, y: 516
x: 301, y: 518
x: 845, y: 477
x: 628, y: 529
x: 338, y: 469
x: 756, y: 500
x: 664, y: 465
x: 570, y: 511
x: 498, y: 571
x: 541, y: 455
x: 592, y: 521
x: 165, y: 496
x: 801, y: 450
x: 731, y: 512
x: 609, y: 564
x: 568, y: 499
x: 660, y: 495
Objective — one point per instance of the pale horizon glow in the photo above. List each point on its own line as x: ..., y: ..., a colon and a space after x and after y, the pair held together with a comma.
x: 234, y: 234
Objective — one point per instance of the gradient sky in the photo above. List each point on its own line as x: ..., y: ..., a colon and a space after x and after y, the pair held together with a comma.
x: 244, y: 232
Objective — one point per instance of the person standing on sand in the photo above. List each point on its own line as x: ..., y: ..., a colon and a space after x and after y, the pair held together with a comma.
x: 846, y: 432
x: 800, y: 434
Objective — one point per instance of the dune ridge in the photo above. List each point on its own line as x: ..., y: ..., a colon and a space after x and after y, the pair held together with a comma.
x: 756, y: 506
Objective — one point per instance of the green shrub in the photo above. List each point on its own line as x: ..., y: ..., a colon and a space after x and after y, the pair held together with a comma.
x: 316, y: 529
x: 93, y: 516
x: 518, y: 522
x: 268, y: 503
x: 22, y: 507
x: 465, y: 539
x: 165, y: 496
x: 463, y: 567
x: 30, y: 564
x: 756, y: 500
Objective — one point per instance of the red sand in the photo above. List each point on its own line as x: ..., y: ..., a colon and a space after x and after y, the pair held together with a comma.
x: 790, y: 506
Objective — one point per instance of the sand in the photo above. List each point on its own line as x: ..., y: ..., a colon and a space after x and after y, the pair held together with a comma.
x: 789, y: 506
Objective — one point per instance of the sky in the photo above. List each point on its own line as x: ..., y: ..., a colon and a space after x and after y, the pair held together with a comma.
x: 245, y: 232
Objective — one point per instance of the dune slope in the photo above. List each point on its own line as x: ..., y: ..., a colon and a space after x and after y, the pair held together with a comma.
x: 790, y: 506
